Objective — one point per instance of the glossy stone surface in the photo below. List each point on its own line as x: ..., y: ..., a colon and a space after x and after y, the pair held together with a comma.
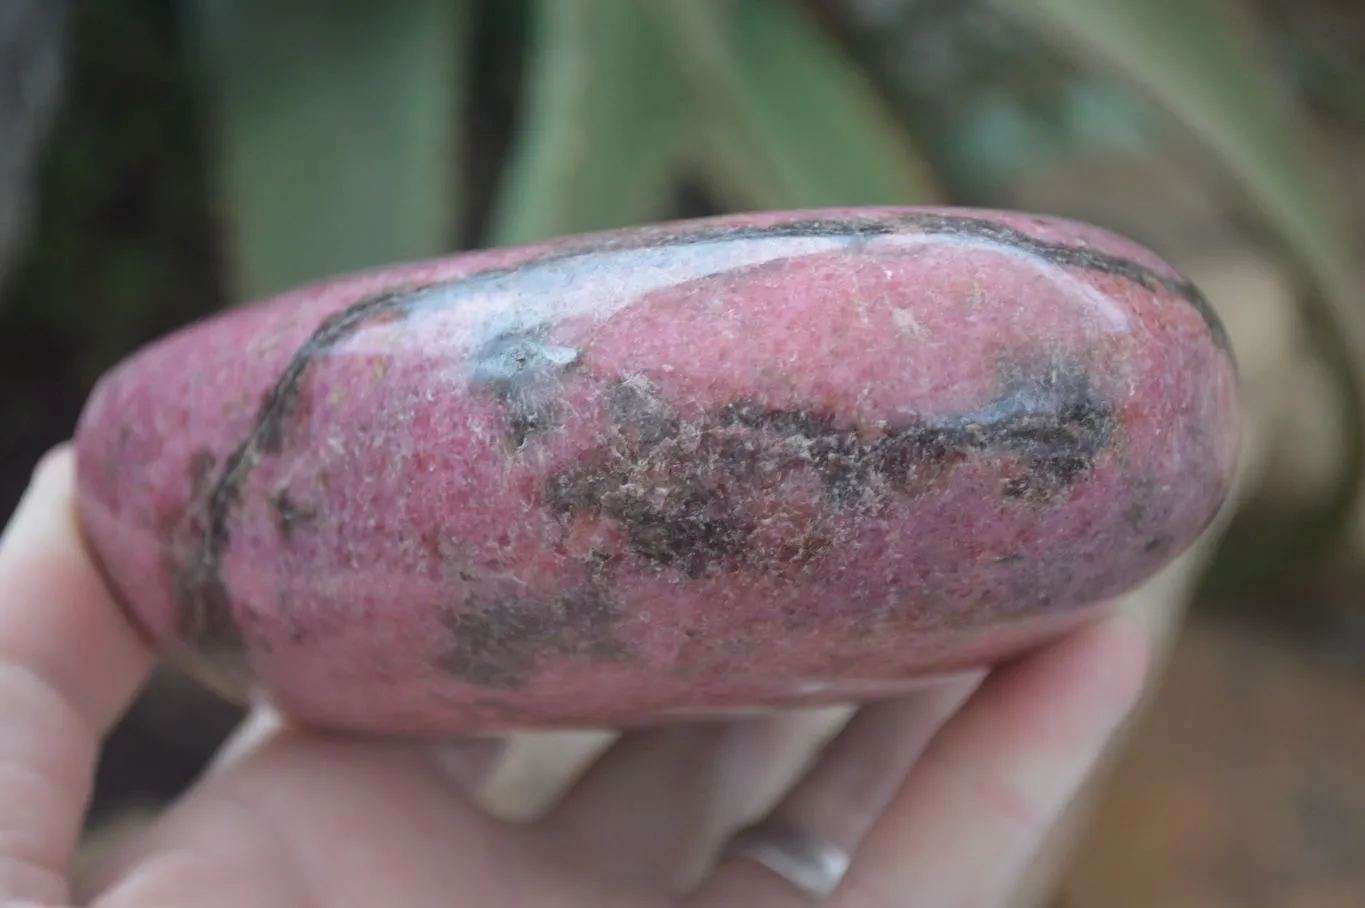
x: 749, y: 461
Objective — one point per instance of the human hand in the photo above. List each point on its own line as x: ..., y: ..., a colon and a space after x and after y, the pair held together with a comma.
x: 942, y: 798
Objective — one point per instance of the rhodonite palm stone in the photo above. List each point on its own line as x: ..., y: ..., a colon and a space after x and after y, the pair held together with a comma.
x: 741, y: 462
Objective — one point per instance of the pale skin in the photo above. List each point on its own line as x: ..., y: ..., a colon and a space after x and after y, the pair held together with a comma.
x: 943, y: 797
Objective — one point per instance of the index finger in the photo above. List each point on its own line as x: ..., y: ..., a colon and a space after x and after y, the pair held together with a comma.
x: 70, y: 664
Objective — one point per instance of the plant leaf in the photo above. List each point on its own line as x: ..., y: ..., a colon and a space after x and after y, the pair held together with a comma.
x: 336, y: 131
x: 602, y: 134
x: 786, y: 120
x: 1196, y: 58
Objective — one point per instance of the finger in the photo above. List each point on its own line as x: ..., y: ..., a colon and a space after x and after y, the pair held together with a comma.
x: 644, y: 812
x: 655, y: 809
x: 69, y: 665
x: 848, y: 787
x: 452, y: 771
x: 976, y: 806
x: 305, y: 819
x: 975, y: 810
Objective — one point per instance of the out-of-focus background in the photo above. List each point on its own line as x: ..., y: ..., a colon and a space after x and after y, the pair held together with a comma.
x: 161, y: 160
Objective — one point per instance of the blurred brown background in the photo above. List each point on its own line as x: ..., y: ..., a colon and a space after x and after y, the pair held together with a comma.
x: 161, y: 160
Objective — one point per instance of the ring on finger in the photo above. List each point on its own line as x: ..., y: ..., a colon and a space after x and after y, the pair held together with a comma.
x: 810, y: 864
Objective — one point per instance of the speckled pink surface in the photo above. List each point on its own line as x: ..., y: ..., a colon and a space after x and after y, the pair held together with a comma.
x: 742, y: 462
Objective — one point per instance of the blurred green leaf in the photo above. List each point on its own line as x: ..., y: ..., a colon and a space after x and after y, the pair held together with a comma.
x: 786, y: 120
x: 336, y: 127
x: 1199, y: 60
x: 599, y: 143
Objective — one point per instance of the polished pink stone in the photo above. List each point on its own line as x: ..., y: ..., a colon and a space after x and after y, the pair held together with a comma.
x: 711, y: 465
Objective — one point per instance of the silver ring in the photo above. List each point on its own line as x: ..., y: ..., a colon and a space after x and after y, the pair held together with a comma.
x: 812, y: 865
